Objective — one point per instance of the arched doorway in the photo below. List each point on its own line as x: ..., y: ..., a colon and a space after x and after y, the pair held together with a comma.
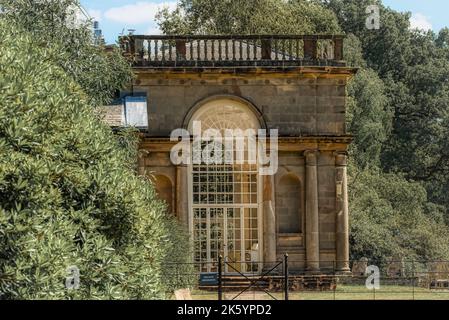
x: 224, y: 198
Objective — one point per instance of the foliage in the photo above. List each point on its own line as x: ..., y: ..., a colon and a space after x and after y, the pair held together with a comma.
x: 414, y: 66
x: 390, y: 217
x: 369, y: 119
x: 247, y: 17
x: 68, y: 194
x: 52, y: 24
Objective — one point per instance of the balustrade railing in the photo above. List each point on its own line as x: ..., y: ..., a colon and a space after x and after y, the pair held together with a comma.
x: 234, y: 51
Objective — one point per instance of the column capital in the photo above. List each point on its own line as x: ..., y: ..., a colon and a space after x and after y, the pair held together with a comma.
x: 311, y: 157
x: 341, y: 158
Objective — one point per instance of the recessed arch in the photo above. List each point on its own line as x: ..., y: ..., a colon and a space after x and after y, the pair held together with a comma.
x: 288, y: 204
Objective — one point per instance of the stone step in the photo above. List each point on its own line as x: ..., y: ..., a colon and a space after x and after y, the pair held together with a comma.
x: 276, y: 283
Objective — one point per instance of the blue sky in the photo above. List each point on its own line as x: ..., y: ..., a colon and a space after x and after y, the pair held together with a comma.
x: 116, y: 16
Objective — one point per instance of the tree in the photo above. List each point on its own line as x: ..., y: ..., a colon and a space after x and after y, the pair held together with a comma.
x: 247, y: 17
x: 53, y: 23
x: 443, y: 38
x: 391, y: 216
x: 369, y: 119
x: 414, y: 66
x: 69, y: 195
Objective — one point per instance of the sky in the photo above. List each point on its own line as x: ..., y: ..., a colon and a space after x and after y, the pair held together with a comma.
x: 117, y: 16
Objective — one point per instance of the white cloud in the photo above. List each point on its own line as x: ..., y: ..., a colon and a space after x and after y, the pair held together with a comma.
x: 96, y: 15
x: 420, y: 21
x: 138, y: 13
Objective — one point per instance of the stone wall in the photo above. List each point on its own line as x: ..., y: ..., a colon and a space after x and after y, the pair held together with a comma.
x: 296, y: 105
x: 288, y: 205
x: 309, y: 112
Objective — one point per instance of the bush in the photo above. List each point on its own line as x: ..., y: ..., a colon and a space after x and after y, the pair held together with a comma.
x: 51, y: 22
x: 69, y: 195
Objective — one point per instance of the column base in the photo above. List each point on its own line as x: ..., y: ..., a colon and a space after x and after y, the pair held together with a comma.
x: 342, y: 267
x: 311, y: 272
x: 344, y: 272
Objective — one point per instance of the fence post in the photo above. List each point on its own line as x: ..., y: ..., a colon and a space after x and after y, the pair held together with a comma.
x: 334, y: 264
x: 286, y: 276
x: 220, y: 280
x: 413, y: 278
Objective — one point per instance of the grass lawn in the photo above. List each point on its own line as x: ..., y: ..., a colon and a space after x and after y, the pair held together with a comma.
x: 343, y: 292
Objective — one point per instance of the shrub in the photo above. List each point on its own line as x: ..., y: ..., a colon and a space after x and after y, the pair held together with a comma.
x: 69, y: 195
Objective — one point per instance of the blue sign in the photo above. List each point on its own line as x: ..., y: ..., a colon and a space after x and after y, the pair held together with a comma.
x: 209, y: 279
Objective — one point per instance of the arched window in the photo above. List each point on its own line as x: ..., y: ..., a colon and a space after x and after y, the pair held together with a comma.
x: 226, y: 183
x: 164, y: 189
x: 224, y: 203
x: 224, y: 114
x: 288, y: 204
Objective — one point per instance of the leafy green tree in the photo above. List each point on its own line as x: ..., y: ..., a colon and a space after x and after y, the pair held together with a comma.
x: 391, y: 216
x: 69, y: 195
x: 414, y: 67
x: 383, y: 47
x: 443, y: 38
x: 53, y: 23
x: 247, y: 17
x: 369, y: 119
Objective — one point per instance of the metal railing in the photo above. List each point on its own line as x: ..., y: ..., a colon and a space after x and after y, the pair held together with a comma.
x: 281, y: 280
x: 219, y: 51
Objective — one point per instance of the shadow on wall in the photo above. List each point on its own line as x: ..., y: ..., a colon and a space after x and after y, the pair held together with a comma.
x: 164, y: 189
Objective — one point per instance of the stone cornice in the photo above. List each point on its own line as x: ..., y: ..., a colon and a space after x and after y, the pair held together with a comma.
x: 324, y: 71
x: 295, y: 144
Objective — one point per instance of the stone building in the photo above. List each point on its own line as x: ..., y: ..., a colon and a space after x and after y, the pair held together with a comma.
x: 295, y: 84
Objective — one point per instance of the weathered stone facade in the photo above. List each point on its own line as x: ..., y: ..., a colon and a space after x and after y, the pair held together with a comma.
x: 304, y: 206
x: 296, y: 104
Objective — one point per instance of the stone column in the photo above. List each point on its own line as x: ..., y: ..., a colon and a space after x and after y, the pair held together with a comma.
x: 342, y: 223
x: 182, y: 201
x: 312, y: 217
x: 269, y: 220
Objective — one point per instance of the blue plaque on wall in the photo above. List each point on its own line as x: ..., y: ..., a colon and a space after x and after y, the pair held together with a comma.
x: 209, y: 279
